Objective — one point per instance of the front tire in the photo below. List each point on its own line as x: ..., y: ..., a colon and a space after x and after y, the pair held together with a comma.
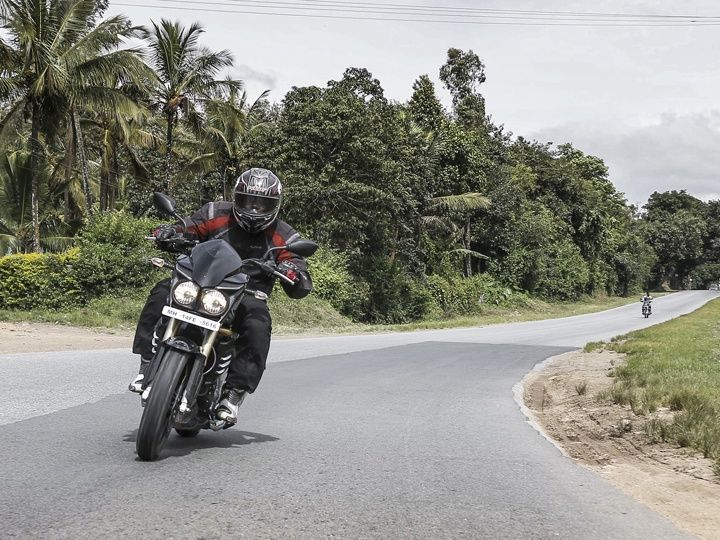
x: 164, y: 396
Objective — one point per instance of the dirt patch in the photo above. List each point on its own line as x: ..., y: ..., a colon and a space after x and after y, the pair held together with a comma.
x: 610, y: 439
x: 38, y: 337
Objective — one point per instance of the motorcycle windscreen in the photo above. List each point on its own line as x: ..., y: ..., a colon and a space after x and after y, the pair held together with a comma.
x: 213, y: 261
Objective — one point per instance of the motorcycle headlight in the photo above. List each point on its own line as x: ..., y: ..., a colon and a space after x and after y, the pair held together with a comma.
x: 186, y: 293
x: 214, y: 302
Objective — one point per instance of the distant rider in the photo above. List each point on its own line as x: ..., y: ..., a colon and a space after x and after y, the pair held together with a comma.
x: 250, y: 225
x: 647, y: 299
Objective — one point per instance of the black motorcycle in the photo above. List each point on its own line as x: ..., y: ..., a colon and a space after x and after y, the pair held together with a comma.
x: 646, y: 309
x: 182, y: 385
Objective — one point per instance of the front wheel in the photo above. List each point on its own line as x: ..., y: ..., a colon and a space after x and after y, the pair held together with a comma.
x: 164, y: 396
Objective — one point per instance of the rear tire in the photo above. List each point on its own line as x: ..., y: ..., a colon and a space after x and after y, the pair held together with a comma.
x: 164, y: 396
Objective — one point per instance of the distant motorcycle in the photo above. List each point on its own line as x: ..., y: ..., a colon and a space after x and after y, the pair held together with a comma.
x: 647, y: 308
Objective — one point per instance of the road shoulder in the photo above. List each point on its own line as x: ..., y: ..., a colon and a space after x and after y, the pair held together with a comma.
x: 40, y: 337
x: 561, y: 398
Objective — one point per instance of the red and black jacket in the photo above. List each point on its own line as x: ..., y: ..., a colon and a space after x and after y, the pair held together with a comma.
x: 216, y: 220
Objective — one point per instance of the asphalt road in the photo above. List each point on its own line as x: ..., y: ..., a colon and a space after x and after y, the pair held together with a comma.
x: 377, y: 436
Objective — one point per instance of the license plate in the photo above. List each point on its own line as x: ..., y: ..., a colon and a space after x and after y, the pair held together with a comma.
x: 191, y: 318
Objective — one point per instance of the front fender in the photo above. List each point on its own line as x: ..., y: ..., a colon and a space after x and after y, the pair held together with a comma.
x: 174, y: 343
x: 182, y: 345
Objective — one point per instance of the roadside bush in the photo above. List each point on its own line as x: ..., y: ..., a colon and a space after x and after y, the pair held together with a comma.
x: 39, y: 280
x: 392, y: 296
x: 334, y: 283
x: 468, y: 296
x: 114, y: 253
x: 705, y: 275
x: 556, y: 272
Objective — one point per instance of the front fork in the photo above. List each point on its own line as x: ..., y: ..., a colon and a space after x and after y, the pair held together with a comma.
x: 205, y: 347
x: 203, y: 351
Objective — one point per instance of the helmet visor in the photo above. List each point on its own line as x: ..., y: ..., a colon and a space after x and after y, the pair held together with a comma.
x: 255, y: 205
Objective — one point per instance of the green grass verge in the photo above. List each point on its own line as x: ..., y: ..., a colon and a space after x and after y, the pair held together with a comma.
x: 312, y: 315
x: 675, y: 365
x: 534, y: 310
x: 120, y: 313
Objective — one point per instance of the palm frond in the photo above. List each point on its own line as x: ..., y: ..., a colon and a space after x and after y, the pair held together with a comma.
x: 462, y: 252
x: 465, y: 202
x: 8, y: 122
x: 109, y: 101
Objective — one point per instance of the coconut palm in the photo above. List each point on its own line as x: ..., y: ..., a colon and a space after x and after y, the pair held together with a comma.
x: 187, y: 75
x: 16, y: 227
x: 221, y: 135
x: 120, y: 135
x: 57, y: 65
x: 446, y: 212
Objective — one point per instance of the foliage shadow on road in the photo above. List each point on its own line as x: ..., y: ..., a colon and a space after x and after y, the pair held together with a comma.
x: 178, y: 446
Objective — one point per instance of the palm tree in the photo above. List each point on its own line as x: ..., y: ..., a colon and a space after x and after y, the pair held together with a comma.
x: 220, y: 138
x: 99, y: 73
x: 16, y: 228
x: 446, y: 211
x: 187, y: 75
x: 57, y: 64
x: 120, y: 135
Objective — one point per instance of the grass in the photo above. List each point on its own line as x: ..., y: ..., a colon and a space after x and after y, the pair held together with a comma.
x: 120, y: 312
x: 535, y: 310
x: 676, y: 365
x: 593, y: 346
x: 117, y: 313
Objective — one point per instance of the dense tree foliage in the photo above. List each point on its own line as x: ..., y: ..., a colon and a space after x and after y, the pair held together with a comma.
x: 414, y: 198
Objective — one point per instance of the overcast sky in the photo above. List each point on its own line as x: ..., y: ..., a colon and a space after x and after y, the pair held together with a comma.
x: 646, y: 100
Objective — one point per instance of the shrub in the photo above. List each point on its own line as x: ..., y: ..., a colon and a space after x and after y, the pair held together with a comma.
x: 467, y: 296
x: 334, y: 283
x: 392, y: 296
x: 705, y: 275
x: 114, y: 253
x: 558, y: 271
x: 37, y: 280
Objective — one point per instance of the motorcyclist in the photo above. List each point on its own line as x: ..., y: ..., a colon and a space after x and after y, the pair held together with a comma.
x: 250, y: 225
x: 647, y: 299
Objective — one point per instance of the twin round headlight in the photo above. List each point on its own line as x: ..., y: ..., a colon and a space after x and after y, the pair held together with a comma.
x: 213, y: 302
x: 186, y: 293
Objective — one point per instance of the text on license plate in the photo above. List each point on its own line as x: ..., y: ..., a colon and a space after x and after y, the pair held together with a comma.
x: 191, y: 318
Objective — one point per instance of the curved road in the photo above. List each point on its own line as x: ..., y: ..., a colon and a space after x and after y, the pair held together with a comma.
x: 412, y: 435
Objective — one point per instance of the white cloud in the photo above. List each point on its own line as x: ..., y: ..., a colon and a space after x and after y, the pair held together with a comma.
x: 249, y: 74
x: 675, y: 152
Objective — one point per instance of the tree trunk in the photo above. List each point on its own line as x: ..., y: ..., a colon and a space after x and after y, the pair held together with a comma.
x: 69, y: 160
x: 114, y: 186
x: 224, y: 183
x: 35, y: 158
x: 104, y: 178
x: 83, y: 162
x: 168, y: 156
x: 466, y: 245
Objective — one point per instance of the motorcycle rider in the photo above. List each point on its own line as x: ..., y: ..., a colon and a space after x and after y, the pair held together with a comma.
x: 250, y: 225
x: 647, y: 299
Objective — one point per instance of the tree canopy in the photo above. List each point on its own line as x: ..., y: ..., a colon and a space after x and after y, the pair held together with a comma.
x: 405, y: 191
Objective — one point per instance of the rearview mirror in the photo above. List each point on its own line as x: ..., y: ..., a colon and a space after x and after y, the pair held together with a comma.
x: 304, y: 248
x: 164, y: 203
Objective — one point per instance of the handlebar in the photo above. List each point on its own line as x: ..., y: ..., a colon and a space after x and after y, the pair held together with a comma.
x: 263, y: 264
x: 182, y: 242
x: 176, y: 241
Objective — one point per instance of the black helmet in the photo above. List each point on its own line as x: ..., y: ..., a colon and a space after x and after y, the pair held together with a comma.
x: 257, y: 199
